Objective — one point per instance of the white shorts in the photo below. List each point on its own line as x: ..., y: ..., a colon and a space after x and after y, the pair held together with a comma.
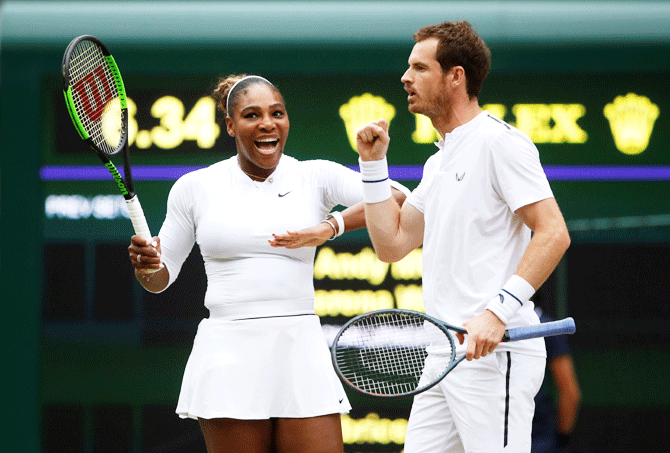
x: 482, y: 406
x: 260, y: 369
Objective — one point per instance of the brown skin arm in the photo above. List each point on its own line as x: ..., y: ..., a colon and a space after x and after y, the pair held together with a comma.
x: 569, y: 393
x: 354, y: 219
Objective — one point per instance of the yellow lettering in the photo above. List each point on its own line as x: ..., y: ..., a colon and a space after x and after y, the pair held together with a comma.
x: 566, y: 129
x: 350, y: 302
x: 363, y: 265
x: 200, y: 124
x: 424, y: 131
x: 497, y: 110
x: 409, y: 297
x: 324, y: 262
x: 110, y: 125
x: 551, y: 123
x: 397, y: 430
x: 408, y: 268
x: 170, y: 133
x: 347, y: 429
x: 143, y: 140
x: 132, y: 122
x: 373, y: 430
x: 533, y: 119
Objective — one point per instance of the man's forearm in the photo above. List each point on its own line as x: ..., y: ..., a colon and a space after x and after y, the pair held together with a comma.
x: 383, y: 223
x: 543, y: 254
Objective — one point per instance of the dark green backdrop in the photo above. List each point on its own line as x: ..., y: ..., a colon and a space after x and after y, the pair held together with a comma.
x: 82, y: 367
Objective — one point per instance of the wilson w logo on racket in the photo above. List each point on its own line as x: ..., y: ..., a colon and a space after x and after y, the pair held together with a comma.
x: 96, y: 101
x: 94, y: 92
x: 384, y: 353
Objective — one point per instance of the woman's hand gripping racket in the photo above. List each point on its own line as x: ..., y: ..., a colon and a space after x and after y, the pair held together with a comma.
x: 96, y: 100
x: 383, y: 353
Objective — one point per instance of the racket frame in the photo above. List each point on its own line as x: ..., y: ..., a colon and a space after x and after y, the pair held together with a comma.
x: 442, y: 326
x: 124, y: 183
x: 562, y: 327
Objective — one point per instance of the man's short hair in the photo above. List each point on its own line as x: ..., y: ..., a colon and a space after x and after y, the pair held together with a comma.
x: 459, y: 45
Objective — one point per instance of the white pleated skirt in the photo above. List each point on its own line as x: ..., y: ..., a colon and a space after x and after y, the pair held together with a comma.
x: 260, y: 368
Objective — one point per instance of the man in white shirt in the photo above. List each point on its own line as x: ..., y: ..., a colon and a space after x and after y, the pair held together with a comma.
x: 480, y: 197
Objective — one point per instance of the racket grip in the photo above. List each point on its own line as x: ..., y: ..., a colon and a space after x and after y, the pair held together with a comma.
x: 562, y: 327
x: 139, y: 222
x: 137, y: 217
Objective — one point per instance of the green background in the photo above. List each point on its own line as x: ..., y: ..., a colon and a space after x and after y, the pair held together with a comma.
x: 320, y: 54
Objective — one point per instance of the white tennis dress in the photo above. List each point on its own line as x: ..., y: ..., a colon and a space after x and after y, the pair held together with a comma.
x: 262, y: 352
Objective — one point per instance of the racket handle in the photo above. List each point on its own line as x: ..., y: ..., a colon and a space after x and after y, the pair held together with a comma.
x: 562, y: 327
x: 139, y: 222
x: 137, y: 217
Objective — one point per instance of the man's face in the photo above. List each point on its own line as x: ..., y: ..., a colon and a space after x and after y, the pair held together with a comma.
x: 424, y: 80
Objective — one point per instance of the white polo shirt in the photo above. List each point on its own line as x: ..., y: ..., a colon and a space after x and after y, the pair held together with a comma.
x: 473, y: 241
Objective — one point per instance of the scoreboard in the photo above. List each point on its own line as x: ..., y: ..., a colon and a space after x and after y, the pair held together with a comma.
x: 603, y: 140
x: 578, y: 120
x: 89, y: 346
x: 97, y: 362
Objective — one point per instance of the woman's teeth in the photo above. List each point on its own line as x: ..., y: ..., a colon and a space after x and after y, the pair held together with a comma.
x: 266, y: 144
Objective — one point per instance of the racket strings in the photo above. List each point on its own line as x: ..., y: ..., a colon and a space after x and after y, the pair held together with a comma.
x: 96, y: 97
x: 386, y: 354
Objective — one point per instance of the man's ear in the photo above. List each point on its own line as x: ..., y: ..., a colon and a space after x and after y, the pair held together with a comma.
x: 457, y: 75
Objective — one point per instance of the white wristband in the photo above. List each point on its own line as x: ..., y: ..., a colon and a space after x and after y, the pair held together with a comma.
x: 333, y: 227
x: 337, y: 215
x: 511, y: 298
x: 376, y: 183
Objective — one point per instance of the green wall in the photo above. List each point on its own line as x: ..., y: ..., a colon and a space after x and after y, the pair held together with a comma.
x: 341, y: 40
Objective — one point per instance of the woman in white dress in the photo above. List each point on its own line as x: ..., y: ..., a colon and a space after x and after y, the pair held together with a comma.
x: 259, y: 377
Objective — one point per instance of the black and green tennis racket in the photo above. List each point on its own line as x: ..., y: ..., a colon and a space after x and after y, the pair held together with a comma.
x: 383, y: 353
x: 96, y: 100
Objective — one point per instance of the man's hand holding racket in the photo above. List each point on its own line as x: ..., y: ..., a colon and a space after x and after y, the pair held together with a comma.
x: 485, y: 332
x: 383, y: 353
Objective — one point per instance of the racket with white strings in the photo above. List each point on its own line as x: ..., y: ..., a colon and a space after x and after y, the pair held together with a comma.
x: 96, y: 101
x: 383, y: 353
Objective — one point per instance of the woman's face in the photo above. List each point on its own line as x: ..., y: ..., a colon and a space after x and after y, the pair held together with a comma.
x: 260, y: 125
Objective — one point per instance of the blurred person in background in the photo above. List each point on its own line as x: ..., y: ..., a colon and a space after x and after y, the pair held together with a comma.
x: 554, y: 422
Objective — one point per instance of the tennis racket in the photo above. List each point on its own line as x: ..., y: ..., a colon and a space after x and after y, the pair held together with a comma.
x: 383, y: 353
x: 96, y: 101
